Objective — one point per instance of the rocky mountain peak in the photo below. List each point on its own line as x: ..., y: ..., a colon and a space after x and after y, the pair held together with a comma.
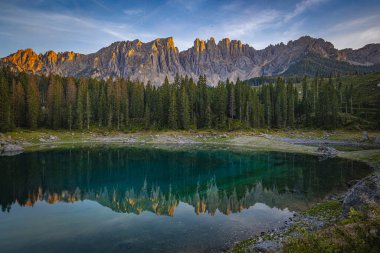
x: 159, y: 58
x: 199, y: 45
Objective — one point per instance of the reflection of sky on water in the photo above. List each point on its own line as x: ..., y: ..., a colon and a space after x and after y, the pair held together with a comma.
x: 82, y: 224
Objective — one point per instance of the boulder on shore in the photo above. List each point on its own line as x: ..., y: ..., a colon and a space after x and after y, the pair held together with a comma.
x: 8, y: 149
x: 365, y: 192
x: 327, y: 152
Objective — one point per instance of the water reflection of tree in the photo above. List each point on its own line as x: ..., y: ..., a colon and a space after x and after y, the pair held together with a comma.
x: 152, y: 199
x: 133, y: 181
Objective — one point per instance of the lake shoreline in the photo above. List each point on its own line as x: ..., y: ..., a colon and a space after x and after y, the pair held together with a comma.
x: 293, y: 141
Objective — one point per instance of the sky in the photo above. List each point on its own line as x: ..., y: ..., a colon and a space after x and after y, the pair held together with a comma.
x: 85, y: 26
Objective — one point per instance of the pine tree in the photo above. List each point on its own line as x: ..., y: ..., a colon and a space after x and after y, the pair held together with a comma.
x: 147, y: 119
x: 125, y: 103
x: 306, y: 102
x: 267, y: 105
x: 55, y: 102
x: 118, y: 103
x: 71, y: 96
x: 5, y: 105
x: 220, y: 106
x: 110, y: 102
x: 281, y: 107
x: 33, y: 103
x: 102, y: 104
x: 172, y: 119
x: 88, y: 108
x: 231, y: 99
x: 19, y: 105
x: 208, y: 119
x: 184, y: 108
x: 201, y: 101
x: 290, y: 103
x: 80, y: 103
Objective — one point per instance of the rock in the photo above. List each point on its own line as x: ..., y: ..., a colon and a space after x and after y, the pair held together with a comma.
x: 352, y: 183
x: 12, y: 148
x: 377, y: 140
x: 365, y: 136
x: 53, y: 138
x: 366, y: 191
x: 328, y: 152
x: 49, y: 139
x: 267, y: 246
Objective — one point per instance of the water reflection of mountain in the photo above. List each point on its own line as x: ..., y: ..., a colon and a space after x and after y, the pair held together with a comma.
x: 134, y: 180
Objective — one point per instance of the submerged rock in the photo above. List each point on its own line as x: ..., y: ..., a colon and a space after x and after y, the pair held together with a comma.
x: 366, y: 191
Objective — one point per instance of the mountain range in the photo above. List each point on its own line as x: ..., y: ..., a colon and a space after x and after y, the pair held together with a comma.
x: 153, y: 61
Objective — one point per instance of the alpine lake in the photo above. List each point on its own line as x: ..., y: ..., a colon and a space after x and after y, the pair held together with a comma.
x: 152, y: 199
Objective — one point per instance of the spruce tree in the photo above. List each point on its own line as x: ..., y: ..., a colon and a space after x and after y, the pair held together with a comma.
x: 80, y: 103
x: 267, y: 105
x: 19, y: 105
x: 33, y: 103
x: 290, y: 104
x: 147, y: 119
x: 5, y: 105
x: 172, y: 118
x: 71, y: 94
x: 184, y: 108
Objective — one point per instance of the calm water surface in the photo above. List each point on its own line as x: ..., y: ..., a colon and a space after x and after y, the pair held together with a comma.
x: 150, y: 200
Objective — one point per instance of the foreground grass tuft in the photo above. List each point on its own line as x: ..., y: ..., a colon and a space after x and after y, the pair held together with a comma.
x: 328, y: 210
x: 359, y: 231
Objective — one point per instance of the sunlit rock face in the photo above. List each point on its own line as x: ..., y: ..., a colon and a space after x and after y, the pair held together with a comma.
x: 153, y: 61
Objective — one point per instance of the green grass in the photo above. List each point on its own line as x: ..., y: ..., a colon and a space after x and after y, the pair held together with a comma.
x: 330, y: 210
x: 358, y: 232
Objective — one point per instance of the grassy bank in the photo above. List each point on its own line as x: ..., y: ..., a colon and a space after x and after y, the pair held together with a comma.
x: 260, y: 140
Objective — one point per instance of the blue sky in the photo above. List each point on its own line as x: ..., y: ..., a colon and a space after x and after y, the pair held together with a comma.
x: 85, y: 26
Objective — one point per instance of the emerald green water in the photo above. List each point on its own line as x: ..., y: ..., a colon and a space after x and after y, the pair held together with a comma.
x: 149, y: 200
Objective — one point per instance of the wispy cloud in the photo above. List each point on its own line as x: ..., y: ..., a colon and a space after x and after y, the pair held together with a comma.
x: 189, y: 5
x: 101, y: 5
x: 250, y: 25
x: 355, y: 32
x: 355, y: 23
x: 133, y: 12
x: 60, y: 31
x: 301, y: 7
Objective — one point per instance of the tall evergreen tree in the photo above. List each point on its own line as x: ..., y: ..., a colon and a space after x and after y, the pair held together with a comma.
x: 184, y: 108
x: 55, y: 102
x: 71, y: 96
x: 267, y: 105
x: 290, y: 104
x: 33, y: 102
x: 5, y: 105
x: 172, y: 119
x: 19, y: 105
